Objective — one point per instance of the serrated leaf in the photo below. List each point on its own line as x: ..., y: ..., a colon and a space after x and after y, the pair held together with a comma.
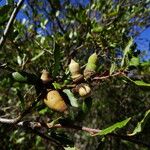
x: 126, y: 50
x: 114, y: 127
x: 140, y: 126
x: 112, y: 68
x: 73, y: 100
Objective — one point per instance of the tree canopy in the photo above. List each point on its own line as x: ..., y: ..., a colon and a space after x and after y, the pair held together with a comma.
x: 72, y: 76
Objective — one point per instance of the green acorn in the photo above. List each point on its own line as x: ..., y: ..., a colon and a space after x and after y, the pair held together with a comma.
x: 74, y: 69
x: 91, y: 66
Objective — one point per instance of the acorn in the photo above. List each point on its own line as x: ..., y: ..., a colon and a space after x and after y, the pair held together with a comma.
x: 84, y: 90
x: 45, y: 77
x: 55, y: 101
x: 91, y: 66
x: 74, y: 69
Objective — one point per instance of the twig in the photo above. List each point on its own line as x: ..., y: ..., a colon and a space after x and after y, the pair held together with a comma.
x: 10, y: 22
x: 108, y: 76
x: 9, y: 121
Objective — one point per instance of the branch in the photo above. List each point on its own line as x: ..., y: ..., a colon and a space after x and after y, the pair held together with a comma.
x: 94, y: 131
x: 91, y: 131
x: 10, y: 22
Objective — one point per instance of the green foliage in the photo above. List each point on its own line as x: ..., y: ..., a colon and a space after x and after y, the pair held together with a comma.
x: 72, y: 99
x: 126, y: 51
x: 50, y: 35
x: 114, y: 127
x: 140, y: 126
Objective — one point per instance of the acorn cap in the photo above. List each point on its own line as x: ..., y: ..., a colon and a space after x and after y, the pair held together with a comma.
x: 88, y: 73
x: 74, y: 69
x: 84, y: 90
x: 55, y: 101
x: 45, y: 77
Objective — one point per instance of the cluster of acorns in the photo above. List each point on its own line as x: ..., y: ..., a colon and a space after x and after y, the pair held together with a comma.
x: 54, y: 100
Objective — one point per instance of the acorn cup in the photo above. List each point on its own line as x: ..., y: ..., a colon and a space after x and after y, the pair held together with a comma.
x: 74, y: 69
x: 45, y: 77
x: 55, y: 101
x: 91, y: 66
x: 84, y: 90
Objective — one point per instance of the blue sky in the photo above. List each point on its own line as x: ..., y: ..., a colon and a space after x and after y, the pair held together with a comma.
x: 143, y: 42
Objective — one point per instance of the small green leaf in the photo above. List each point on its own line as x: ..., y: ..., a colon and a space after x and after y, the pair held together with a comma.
x: 43, y: 111
x: 57, y: 85
x: 126, y: 50
x: 141, y: 83
x: 114, y: 127
x: 112, y: 68
x: 19, y: 77
x: 140, y: 126
x: 24, y: 77
x: 135, y: 61
x: 37, y: 56
x: 19, y: 60
x: 97, y: 29
x: 73, y: 100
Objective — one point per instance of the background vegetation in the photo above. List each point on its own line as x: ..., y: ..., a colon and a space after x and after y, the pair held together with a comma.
x: 47, y: 35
